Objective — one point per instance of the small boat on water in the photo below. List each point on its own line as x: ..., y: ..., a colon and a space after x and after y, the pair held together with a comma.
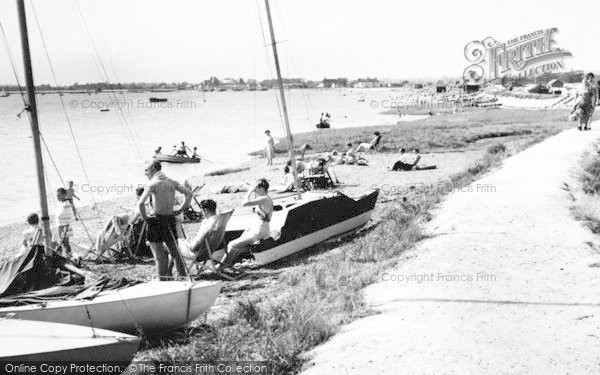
x: 26, y: 340
x: 4, y: 94
x: 153, y: 306
x: 154, y: 99
x: 303, y: 223
x: 323, y: 125
x: 176, y: 159
x: 105, y: 110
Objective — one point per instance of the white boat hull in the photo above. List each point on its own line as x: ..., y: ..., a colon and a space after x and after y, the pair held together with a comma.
x: 292, y: 247
x: 152, y: 307
x: 25, y: 340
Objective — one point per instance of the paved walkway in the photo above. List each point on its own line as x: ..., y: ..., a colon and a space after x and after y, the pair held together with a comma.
x: 522, y: 298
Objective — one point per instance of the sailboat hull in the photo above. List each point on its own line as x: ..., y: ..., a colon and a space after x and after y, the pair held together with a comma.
x: 305, y: 223
x: 26, y: 340
x: 153, y: 306
x: 311, y: 239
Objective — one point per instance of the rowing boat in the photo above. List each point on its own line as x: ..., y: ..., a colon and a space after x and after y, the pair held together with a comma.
x: 176, y: 159
x: 25, y: 340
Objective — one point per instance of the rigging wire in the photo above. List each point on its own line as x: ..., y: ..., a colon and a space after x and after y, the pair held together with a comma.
x: 114, y: 71
x: 105, y: 77
x: 304, y: 95
x: 14, y: 69
x: 62, y: 102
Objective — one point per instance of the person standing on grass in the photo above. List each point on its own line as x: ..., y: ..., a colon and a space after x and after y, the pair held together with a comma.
x: 269, y: 148
x: 161, y: 221
x: 70, y: 196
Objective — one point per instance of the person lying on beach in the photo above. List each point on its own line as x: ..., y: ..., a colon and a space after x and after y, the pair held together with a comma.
x: 195, y: 248
x: 230, y: 189
x: 364, y: 147
x: 409, y: 161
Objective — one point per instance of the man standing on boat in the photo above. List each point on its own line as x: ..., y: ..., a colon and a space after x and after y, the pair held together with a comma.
x: 161, y: 222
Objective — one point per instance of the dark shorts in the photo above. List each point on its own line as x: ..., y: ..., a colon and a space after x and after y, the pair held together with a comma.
x: 400, y: 166
x: 161, y: 228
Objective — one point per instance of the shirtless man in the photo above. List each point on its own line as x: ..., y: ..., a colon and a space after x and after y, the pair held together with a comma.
x: 161, y: 222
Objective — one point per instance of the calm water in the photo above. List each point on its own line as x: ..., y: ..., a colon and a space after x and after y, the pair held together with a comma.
x: 224, y: 126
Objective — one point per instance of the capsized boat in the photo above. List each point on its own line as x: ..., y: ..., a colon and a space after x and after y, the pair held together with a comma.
x: 300, y: 224
x: 153, y: 306
x: 176, y: 159
x: 26, y: 340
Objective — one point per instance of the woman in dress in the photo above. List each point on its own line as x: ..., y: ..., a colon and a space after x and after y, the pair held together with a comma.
x: 585, y: 101
x: 259, y: 227
x: 269, y: 148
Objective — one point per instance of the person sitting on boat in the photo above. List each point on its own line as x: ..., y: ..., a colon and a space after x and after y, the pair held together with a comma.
x: 158, y: 150
x: 182, y: 151
x: 195, y: 154
x: 174, y: 150
x: 258, y: 229
x: 195, y: 248
x: 371, y: 145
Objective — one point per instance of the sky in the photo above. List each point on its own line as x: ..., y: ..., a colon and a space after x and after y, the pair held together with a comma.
x: 191, y: 40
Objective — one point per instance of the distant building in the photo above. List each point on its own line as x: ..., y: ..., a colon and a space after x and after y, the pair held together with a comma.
x: 333, y: 83
x: 440, y: 86
x: 363, y: 83
x: 555, y: 83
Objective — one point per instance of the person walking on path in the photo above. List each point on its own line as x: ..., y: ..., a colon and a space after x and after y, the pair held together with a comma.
x: 585, y: 101
x: 161, y: 221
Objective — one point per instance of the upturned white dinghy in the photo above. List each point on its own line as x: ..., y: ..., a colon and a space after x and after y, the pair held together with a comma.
x: 24, y: 340
x: 153, y: 306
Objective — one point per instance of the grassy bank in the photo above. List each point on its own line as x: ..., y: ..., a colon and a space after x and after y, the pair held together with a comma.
x: 321, y: 293
x: 441, y: 132
x: 587, y: 204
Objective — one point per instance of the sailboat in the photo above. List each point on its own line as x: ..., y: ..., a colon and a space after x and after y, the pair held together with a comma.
x: 149, y: 307
x: 26, y: 340
x: 4, y: 94
x: 299, y: 222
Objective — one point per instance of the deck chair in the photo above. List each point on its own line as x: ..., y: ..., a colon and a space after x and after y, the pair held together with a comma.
x: 209, y: 255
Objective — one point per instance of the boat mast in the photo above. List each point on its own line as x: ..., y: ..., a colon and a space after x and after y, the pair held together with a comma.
x: 31, y: 109
x: 283, y: 105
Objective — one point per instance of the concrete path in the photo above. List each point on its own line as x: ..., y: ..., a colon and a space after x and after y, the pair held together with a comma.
x: 506, y: 284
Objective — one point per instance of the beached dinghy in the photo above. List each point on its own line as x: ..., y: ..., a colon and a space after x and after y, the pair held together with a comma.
x: 154, y: 306
x: 25, y: 340
x: 176, y: 159
x: 300, y: 224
